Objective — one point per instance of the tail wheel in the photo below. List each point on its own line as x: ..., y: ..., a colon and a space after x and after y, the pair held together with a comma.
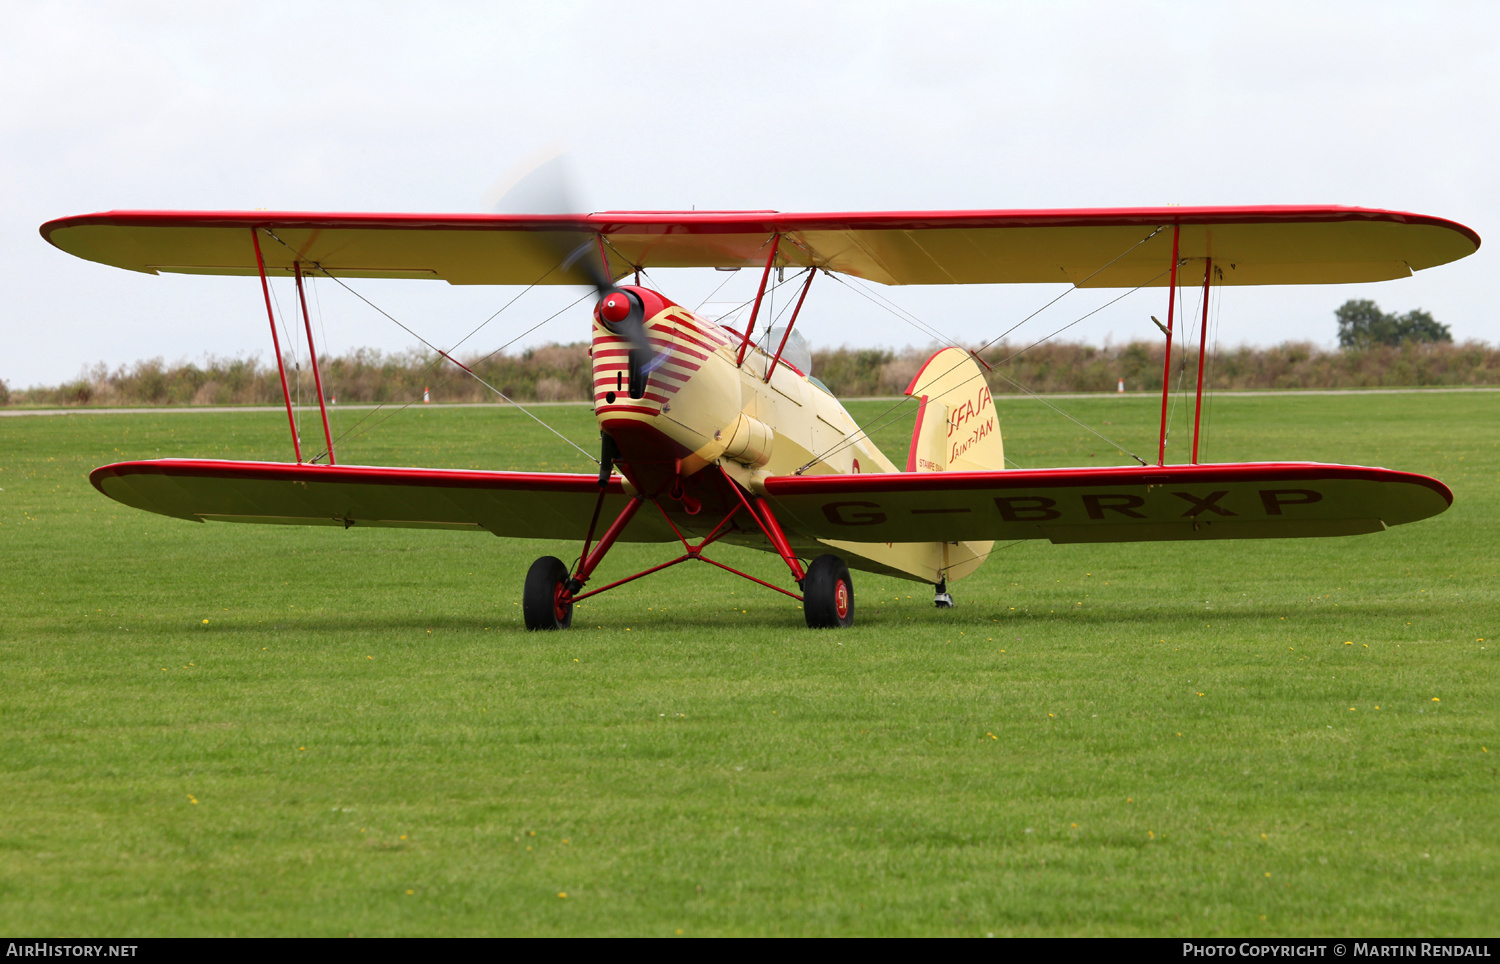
x: 828, y: 594
x: 546, y: 602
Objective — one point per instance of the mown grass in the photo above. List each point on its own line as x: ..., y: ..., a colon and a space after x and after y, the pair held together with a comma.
x: 259, y: 730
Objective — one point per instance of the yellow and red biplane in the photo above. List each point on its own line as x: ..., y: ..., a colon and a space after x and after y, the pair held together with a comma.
x: 722, y: 437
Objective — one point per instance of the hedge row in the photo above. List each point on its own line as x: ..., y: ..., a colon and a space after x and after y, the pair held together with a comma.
x: 562, y: 372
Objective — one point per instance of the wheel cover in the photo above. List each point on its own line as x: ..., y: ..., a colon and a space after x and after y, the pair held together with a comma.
x: 561, y: 602
x: 841, y: 599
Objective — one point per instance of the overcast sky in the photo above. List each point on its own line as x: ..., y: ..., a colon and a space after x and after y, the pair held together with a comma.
x: 796, y: 107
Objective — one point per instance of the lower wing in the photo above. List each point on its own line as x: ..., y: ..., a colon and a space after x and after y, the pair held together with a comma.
x: 1257, y: 500
x: 1253, y: 500
x: 535, y: 505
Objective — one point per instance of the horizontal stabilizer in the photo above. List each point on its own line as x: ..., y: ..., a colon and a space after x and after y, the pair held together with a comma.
x: 532, y: 505
x: 1254, y: 500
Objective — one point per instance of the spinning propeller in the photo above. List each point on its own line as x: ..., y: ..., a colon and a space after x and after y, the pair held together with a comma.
x: 623, y: 313
x: 541, y: 184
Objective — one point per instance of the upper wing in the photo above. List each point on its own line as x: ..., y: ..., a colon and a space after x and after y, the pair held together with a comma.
x: 1256, y: 500
x: 527, y: 504
x: 1097, y: 248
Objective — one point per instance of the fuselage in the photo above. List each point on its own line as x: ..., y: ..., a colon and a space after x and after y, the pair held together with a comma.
x: 700, y: 408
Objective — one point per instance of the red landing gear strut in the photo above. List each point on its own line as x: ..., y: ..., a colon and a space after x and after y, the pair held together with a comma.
x: 550, y: 593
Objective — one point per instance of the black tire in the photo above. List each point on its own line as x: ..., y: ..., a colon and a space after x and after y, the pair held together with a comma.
x: 539, y: 601
x: 828, y: 594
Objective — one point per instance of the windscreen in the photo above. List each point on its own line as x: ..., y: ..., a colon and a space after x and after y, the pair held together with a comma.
x: 798, y: 353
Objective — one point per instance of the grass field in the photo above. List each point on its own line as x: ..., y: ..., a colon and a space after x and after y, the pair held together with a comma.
x: 225, y: 729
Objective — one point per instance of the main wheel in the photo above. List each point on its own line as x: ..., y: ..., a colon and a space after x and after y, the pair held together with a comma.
x: 544, y: 603
x: 828, y: 594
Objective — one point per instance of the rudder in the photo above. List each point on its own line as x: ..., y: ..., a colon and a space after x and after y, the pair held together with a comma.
x: 958, y: 429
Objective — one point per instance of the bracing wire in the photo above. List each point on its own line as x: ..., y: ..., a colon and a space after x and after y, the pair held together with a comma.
x: 1182, y: 367
x: 1083, y: 425
x: 1075, y: 287
x: 431, y: 346
x: 611, y: 246
x: 891, y: 413
x: 737, y: 305
x: 527, y: 412
x: 1187, y: 348
x: 784, y: 309
x: 994, y: 549
x: 322, y: 330
x: 296, y: 365
x: 1217, y: 306
x: 438, y: 360
x: 449, y: 378
x: 568, y: 307
x: 728, y: 277
x: 770, y: 306
x: 1049, y: 337
x: 865, y: 291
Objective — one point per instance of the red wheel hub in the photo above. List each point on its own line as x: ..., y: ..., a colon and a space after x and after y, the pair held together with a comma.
x: 560, y: 597
x: 841, y: 599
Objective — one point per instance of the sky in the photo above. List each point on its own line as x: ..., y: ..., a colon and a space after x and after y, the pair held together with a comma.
x: 792, y: 106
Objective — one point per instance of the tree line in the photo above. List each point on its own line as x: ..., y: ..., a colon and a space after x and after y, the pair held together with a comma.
x: 1363, y: 325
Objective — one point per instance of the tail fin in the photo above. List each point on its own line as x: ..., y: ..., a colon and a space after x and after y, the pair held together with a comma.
x: 957, y: 429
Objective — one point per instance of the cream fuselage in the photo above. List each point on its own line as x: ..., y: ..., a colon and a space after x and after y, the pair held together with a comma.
x: 700, y: 409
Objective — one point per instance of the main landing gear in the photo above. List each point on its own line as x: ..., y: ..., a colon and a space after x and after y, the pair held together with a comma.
x: 551, y: 589
x: 546, y: 603
x: 828, y: 594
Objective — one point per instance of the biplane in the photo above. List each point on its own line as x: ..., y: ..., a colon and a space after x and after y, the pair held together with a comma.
x: 712, y: 433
